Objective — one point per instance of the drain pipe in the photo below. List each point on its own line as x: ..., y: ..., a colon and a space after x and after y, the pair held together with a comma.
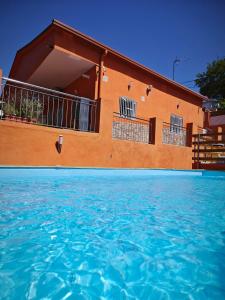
x: 101, y: 65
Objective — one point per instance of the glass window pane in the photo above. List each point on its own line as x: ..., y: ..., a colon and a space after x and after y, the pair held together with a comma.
x: 127, y: 107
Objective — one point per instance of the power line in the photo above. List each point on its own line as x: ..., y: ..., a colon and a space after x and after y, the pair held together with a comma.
x: 203, y: 77
x: 187, y: 81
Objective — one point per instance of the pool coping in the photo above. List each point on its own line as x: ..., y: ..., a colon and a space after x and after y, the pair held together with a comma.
x: 96, y: 168
x: 155, y: 171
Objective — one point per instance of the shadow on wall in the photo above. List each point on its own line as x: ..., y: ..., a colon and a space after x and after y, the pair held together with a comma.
x: 85, y: 85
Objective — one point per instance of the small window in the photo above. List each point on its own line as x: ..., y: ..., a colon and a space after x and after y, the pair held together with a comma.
x: 176, y: 124
x: 127, y: 107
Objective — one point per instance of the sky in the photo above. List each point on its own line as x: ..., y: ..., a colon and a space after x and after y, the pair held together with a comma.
x: 152, y: 33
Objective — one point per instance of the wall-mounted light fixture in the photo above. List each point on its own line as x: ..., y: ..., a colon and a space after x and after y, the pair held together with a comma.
x: 59, y: 143
x: 105, y: 78
x: 149, y: 89
x: 130, y: 85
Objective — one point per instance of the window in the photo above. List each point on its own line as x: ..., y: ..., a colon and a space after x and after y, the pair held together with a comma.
x: 127, y: 107
x: 176, y: 124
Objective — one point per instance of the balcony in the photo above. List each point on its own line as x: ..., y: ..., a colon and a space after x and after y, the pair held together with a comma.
x: 27, y: 103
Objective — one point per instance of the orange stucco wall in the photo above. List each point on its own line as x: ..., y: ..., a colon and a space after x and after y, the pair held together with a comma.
x: 24, y: 144
x: 161, y: 101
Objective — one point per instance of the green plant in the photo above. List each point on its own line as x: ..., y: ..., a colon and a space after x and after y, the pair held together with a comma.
x: 212, y: 81
x: 10, y: 108
x: 31, y: 109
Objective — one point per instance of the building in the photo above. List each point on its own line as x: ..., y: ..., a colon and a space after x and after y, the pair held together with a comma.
x: 110, y: 110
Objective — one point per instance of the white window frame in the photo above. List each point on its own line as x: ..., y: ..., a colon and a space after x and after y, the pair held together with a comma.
x: 176, y: 123
x: 127, y: 107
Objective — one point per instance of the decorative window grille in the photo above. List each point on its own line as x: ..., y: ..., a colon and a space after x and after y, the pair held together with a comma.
x: 127, y: 107
x: 176, y: 124
x: 174, y: 132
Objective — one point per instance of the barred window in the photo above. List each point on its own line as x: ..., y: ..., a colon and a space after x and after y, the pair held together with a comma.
x: 176, y: 124
x: 127, y: 107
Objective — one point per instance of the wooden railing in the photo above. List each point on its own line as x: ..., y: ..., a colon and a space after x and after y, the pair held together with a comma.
x: 208, y: 149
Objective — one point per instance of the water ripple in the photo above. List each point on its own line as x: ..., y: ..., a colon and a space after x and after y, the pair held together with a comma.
x: 64, y: 236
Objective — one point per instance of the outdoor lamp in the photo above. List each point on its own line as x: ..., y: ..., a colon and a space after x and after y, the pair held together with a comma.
x: 130, y: 84
x: 60, y: 140
x: 149, y: 88
x: 59, y: 143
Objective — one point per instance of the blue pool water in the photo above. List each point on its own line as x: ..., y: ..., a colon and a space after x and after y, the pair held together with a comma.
x: 111, y: 234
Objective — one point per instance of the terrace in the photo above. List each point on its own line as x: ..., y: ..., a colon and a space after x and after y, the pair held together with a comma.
x: 28, y: 103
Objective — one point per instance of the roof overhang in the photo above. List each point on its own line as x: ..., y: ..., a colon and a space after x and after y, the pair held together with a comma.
x: 59, y: 69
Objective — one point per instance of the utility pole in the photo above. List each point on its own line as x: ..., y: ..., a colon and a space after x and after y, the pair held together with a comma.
x: 175, y: 62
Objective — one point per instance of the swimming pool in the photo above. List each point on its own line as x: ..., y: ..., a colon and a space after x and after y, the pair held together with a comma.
x: 111, y: 234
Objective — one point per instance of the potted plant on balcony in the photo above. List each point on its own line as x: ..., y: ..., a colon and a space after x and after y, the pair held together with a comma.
x: 10, y: 110
x: 30, y: 110
x: 38, y: 110
x: 26, y: 110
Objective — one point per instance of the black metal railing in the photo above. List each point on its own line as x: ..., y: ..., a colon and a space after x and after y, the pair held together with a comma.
x: 132, y: 129
x: 23, y: 102
x: 174, y: 135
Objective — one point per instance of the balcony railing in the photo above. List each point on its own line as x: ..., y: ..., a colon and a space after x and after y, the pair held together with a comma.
x: 132, y: 129
x: 23, y: 102
x: 174, y: 135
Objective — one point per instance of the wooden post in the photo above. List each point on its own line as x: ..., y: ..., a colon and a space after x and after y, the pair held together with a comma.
x: 189, y: 132
x: 152, y: 129
x: 198, y: 162
x: 219, y: 132
x: 158, y: 131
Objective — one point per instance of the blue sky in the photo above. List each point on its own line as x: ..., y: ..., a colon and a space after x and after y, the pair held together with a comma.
x: 150, y: 32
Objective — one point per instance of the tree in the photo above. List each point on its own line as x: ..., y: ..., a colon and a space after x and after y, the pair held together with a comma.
x: 212, y: 81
